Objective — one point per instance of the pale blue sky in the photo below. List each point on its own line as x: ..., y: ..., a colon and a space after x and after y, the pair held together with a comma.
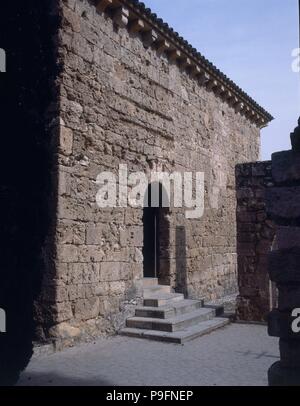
x: 251, y: 41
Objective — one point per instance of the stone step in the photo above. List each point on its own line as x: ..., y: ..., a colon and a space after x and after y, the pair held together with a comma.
x: 156, y: 289
x: 178, y: 337
x: 149, y: 282
x: 218, y: 308
x: 168, y: 311
x: 173, y: 324
x: 155, y: 299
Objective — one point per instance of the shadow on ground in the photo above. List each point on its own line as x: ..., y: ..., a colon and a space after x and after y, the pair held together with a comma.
x: 55, y: 379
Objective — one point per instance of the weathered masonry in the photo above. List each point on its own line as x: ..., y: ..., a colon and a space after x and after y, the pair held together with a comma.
x: 129, y: 90
x: 255, y: 235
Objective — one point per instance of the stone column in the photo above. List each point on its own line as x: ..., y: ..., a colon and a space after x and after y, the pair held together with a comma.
x: 283, y: 205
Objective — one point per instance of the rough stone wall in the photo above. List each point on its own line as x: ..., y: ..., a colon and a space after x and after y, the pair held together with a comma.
x: 123, y: 103
x: 255, y: 234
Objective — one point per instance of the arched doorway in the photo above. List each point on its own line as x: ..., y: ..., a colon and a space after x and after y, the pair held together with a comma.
x: 156, y: 231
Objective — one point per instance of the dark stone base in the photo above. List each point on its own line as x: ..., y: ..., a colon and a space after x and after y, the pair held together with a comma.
x: 280, y: 376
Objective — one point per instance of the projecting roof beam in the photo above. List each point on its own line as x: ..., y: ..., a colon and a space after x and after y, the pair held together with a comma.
x: 121, y: 17
x: 136, y: 25
x: 163, y: 46
x: 102, y: 5
x: 149, y: 38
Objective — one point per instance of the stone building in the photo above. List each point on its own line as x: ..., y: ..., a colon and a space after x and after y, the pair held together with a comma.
x: 127, y: 89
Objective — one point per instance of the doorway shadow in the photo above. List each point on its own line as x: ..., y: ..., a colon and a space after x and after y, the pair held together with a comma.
x: 156, y: 233
x: 181, y: 261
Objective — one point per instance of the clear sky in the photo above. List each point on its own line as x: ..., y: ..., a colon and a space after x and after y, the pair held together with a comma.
x: 251, y: 41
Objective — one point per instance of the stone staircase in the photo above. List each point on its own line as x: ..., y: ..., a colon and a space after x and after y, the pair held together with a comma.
x: 167, y: 316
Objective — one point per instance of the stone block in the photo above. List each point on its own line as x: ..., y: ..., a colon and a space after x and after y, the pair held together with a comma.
x: 84, y: 50
x: 243, y: 171
x: 251, y: 309
x: 64, y: 330
x: 280, y: 325
x: 117, y: 255
x: 268, y: 232
x: 102, y: 289
x: 70, y: 232
x: 123, y: 237
x: 105, y: 307
x: 90, y: 273
x: 94, y: 234
x: 263, y: 246
x: 244, y: 216
x: 249, y: 291
x: 278, y: 375
x: 72, y: 19
x: 67, y: 253
x: 138, y: 256
x: 247, y: 249
x: 62, y: 312
x: 286, y: 166
x: 90, y: 290
x: 283, y: 203
x: 246, y: 264
x: 289, y: 353
x: 117, y: 288
x: 286, y: 237
x: 76, y: 292
x: 261, y: 216
x: 75, y: 272
x: 125, y: 271
x: 260, y: 195
x: 135, y: 236
x: 66, y: 141
x: 64, y: 184
x: 288, y: 297
x: 136, y: 271
x: 284, y: 265
x: 61, y: 294
x: 261, y: 169
x: 85, y: 309
x: 70, y: 209
x: 245, y: 193
x: 90, y: 253
x: 109, y: 271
